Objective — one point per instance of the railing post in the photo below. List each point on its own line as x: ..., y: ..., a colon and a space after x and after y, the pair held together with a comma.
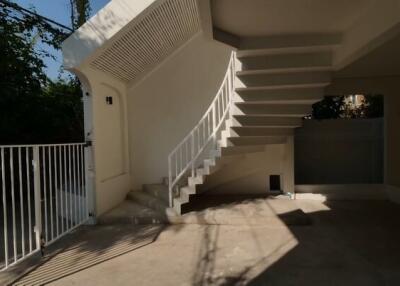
x: 37, y: 196
x: 192, y: 151
x: 171, y: 203
x: 214, y: 115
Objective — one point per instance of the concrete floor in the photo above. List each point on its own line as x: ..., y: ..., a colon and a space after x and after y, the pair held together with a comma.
x: 343, y: 243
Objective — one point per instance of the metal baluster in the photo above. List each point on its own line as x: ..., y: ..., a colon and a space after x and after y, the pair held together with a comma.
x: 74, y: 181
x: 45, y: 191
x: 50, y: 191
x: 5, y: 219
x: 61, y: 188
x: 21, y: 200
x: 84, y: 190
x: 56, y: 187
x: 28, y: 184
x: 65, y: 189
x: 70, y: 185
x: 37, y: 195
x: 13, y: 204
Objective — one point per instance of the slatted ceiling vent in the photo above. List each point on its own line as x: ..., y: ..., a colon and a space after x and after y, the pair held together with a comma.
x: 151, y: 40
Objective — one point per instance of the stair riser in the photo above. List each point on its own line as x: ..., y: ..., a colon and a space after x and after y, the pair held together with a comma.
x: 157, y: 191
x: 295, y: 110
x: 286, y: 61
x: 248, y: 120
x: 282, y: 79
x: 234, y: 151
x: 148, y: 201
x: 249, y: 131
x: 308, y: 96
x: 289, y: 41
x: 255, y: 141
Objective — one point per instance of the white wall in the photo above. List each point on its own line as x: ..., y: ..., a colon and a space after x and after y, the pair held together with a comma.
x: 342, y: 151
x: 109, y: 135
x: 166, y: 105
x: 249, y: 173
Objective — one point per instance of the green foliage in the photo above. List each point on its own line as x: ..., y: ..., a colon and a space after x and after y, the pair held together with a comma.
x: 333, y: 107
x: 34, y: 109
x: 328, y: 108
x: 80, y: 10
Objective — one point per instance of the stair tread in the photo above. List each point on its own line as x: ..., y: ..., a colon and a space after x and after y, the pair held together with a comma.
x: 284, y: 70
x: 284, y: 86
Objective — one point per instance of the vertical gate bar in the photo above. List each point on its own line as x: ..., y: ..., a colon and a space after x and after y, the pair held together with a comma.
x: 13, y: 203
x: 79, y: 179
x: 45, y: 191
x: 65, y: 189
x: 3, y: 180
x: 61, y: 188
x: 74, y: 176
x: 28, y: 187
x: 21, y: 201
x: 37, y: 195
x: 81, y: 190
x: 56, y: 187
x: 84, y: 187
x: 50, y: 190
x: 70, y: 186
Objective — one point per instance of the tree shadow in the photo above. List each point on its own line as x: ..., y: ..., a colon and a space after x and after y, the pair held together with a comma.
x: 85, y: 248
x: 348, y: 243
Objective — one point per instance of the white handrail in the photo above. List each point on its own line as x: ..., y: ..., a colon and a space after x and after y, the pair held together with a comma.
x: 186, y: 153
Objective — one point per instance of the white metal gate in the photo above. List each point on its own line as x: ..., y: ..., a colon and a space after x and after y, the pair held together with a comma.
x: 43, y: 197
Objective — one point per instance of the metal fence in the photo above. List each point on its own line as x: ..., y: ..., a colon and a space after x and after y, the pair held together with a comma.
x: 43, y: 197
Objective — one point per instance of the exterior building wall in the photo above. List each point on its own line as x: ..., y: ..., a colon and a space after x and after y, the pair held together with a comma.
x: 342, y: 151
x: 166, y: 105
x: 108, y: 131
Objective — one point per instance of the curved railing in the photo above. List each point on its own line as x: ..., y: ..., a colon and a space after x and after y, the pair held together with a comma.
x: 185, y: 155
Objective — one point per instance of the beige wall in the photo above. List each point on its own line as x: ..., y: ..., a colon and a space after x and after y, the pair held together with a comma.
x: 166, y: 105
x: 109, y: 135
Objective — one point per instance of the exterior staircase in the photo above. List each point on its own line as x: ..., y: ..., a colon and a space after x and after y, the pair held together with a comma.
x: 266, y: 93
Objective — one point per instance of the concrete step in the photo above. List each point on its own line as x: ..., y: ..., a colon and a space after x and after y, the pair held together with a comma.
x: 293, y: 110
x: 256, y: 140
x: 197, y: 180
x: 148, y: 201
x: 255, y: 80
x: 159, y: 191
x: 130, y: 212
x: 262, y: 131
x: 285, y: 61
x: 305, y: 95
x: 250, y: 120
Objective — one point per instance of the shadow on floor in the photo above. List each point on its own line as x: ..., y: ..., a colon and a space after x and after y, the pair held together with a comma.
x: 349, y: 243
x: 85, y: 248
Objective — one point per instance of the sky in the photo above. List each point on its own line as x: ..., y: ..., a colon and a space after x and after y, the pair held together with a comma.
x: 59, y: 11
